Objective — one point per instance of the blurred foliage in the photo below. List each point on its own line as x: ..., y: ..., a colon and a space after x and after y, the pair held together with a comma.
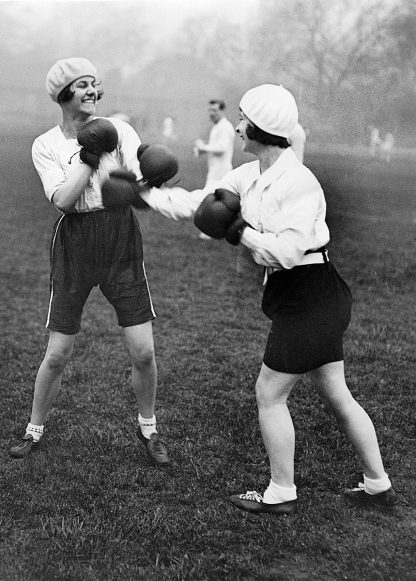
x: 350, y: 63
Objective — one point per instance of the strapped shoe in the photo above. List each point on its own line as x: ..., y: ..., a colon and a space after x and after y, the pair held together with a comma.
x: 26, y: 445
x: 360, y: 496
x: 156, y: 449
x: 252, y: 501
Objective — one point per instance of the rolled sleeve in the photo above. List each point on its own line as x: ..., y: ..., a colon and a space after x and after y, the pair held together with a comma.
x: 175, y: 203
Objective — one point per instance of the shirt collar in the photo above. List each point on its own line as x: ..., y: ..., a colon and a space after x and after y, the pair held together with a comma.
x: 272, y: 173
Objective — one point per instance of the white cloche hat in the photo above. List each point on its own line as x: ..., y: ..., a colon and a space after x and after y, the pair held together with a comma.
x: 272, y: 108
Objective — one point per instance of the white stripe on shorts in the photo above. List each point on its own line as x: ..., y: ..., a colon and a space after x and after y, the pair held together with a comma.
x: 148, y: 290
x: 52, y: 247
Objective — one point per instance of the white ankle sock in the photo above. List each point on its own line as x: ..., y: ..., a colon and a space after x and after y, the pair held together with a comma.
x: 35, y: 431
x: 274, y: 494
x: 147, y: 426
x: 377, y: 485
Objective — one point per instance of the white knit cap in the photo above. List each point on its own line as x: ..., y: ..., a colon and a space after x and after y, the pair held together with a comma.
x: 272, y: 108
x: 66, y: 71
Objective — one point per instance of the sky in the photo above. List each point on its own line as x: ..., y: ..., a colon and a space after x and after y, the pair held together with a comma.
x: 172, y: 10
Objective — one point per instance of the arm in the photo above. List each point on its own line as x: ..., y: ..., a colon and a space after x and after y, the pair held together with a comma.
x: 298, y: 226
x: 61, y: 189
x: 68, y: 194
x: 220, y: 141
x: 175, y: 203
x: 217, y: 148
x: 95, y: 138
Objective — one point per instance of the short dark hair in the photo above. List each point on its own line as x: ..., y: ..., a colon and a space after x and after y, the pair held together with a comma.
x: 219, y: 102
x: 256, y: 134
x: 66, y: 94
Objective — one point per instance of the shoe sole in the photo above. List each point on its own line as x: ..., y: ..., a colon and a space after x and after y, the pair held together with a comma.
x: 263, y: 508
x: 360, y: 498
x: 22, y: 455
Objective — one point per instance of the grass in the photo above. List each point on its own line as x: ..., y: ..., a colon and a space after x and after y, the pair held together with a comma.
x: 88, y: 507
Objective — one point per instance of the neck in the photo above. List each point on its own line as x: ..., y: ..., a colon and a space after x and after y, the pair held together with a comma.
x: 268, y: 155
x: 72, y: 124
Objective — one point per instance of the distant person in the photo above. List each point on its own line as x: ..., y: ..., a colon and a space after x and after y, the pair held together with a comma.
x: 91, y: 246
x: 168, y: 131
x: 386, y: 147
x: 375, y: 142
x: 297, y: 140
x: 220, y: 146
x: 219, y: 149
x: 276, y: 208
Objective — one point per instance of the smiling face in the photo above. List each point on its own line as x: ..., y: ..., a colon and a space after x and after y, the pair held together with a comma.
x: 247, y: 145
x: 84, y: 98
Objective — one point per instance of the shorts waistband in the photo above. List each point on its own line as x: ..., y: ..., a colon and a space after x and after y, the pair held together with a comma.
x: 314, y: 257
x: 319, y: 256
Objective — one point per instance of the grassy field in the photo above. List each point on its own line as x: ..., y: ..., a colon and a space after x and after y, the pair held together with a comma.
x: 88, y: 507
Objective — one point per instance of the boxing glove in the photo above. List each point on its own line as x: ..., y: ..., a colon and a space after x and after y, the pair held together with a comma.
x: 231, y: 200
x: 95, y: 138
x: 213, y: 217
x: 158, y: 164
x: 235, y: 230
x: 122, y: 189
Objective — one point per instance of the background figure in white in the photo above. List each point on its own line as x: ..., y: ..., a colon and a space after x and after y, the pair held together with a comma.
x: 297, y: 140
x: 219, y: 149
x: 386, y: 147
x: 220, y: 146
x: 375, y: 141
x: 168, y: 130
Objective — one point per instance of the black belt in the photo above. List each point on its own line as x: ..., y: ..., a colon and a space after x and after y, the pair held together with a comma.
x: 322, y: 250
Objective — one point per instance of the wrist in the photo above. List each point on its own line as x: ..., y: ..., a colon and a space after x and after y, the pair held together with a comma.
x: 141, y: 187
x: 90, y: 158
x: 235, y: 231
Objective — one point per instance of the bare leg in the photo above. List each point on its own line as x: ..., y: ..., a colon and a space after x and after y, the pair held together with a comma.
x: 49, y: 376
x: 272, y: 391
x: 331, y: 387
x: 139, y: 339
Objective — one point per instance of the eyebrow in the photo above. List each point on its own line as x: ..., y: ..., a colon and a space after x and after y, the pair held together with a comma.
x: 84, y: 81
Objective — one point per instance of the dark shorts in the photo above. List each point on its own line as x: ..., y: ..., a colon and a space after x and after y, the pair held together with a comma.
x: 104, y: 249
x: 310, y: 309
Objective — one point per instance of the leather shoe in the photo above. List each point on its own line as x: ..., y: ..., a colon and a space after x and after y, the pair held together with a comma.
x: 252, y: 502
x: 24, y: 448
x: 156, y: 449
x: 360, y: 496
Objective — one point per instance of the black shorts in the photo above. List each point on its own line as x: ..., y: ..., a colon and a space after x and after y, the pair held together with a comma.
x: 102, y: 248
x: 310, y: 307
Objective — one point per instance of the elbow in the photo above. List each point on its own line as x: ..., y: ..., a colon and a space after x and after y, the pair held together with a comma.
x: 61, y: 205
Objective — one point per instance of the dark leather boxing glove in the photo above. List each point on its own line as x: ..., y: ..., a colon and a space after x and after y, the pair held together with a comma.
x: 95, y: 138
x: 213, y: 217
x: 122, y: 189
x: 235, y: 230
x: 158, y: 164
x: 231, y: 200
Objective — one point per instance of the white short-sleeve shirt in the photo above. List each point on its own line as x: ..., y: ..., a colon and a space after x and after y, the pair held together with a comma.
x: 55, y: 157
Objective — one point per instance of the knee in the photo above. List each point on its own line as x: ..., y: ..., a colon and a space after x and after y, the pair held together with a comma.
x: 57, y: 360
x: 143, y: 357
x: 267, y: 394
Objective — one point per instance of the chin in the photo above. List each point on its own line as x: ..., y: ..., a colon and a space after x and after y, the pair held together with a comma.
x: 89, y: 109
